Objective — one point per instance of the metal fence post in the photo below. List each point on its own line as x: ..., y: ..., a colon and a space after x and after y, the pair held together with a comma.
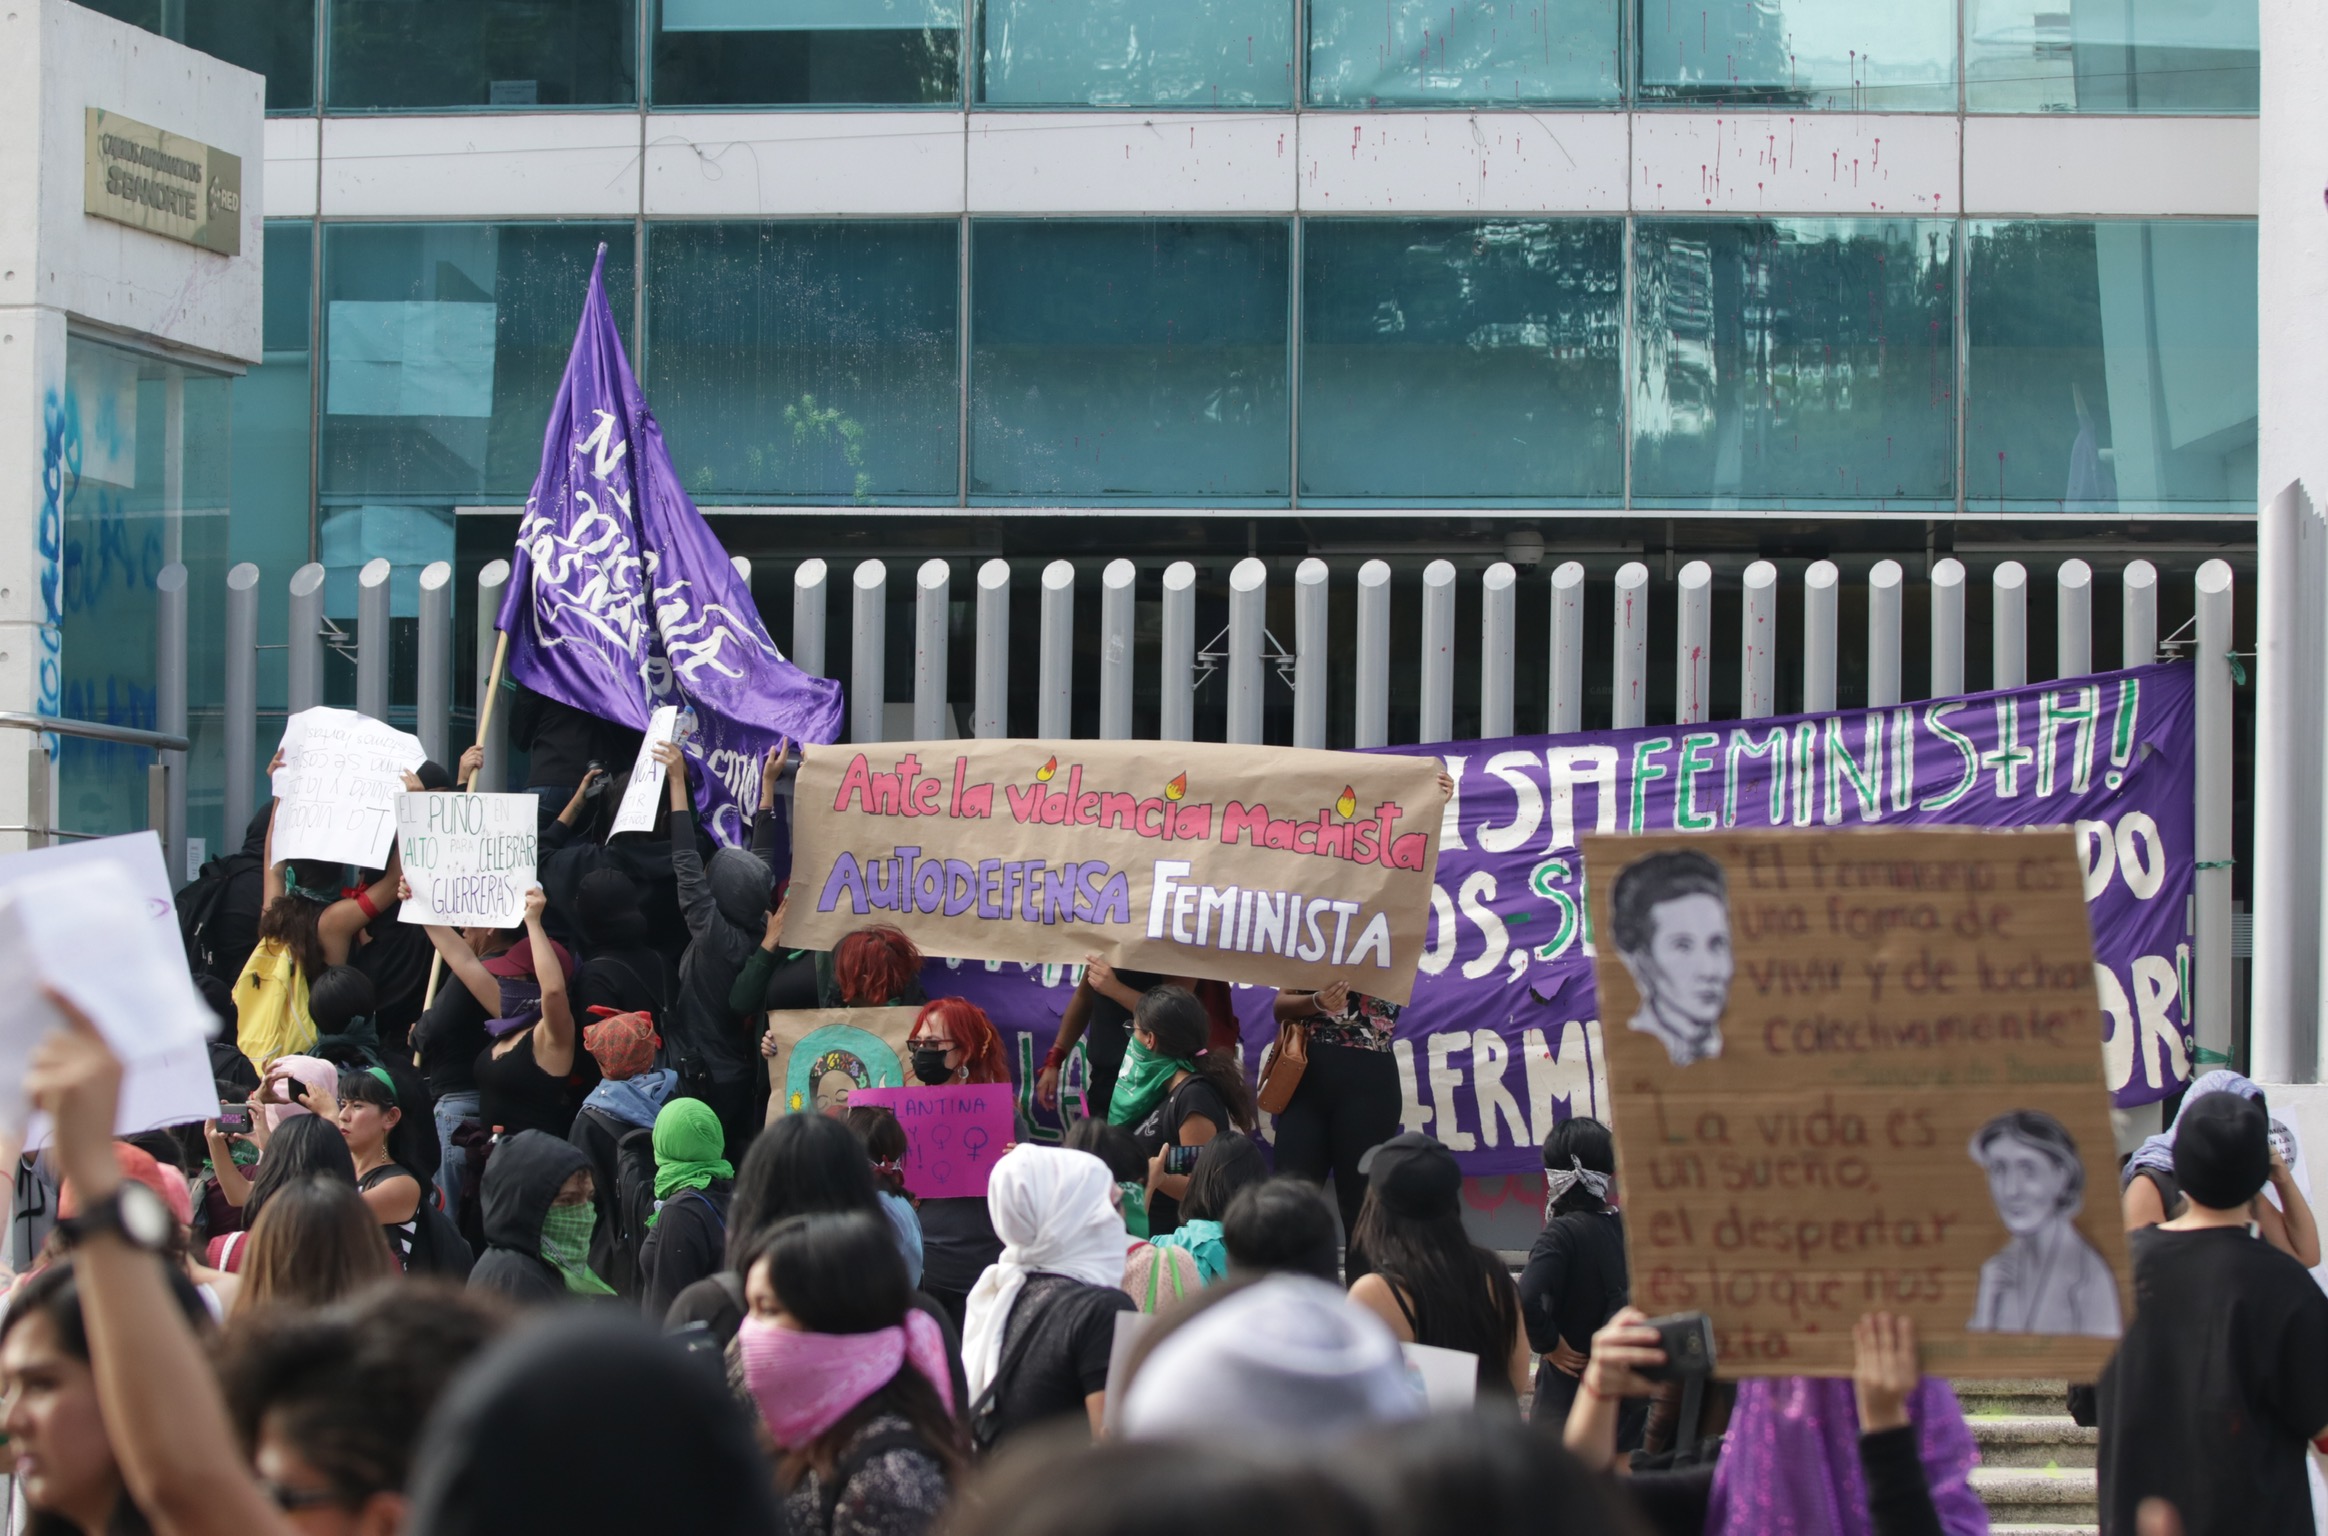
x: 1758, y: 642
x: 1886, y: 584
x: 2138, y: 628
x: 2073, y: 619
x: 743, y: 565
x: 1248, y: 622
x: 1820, y: 590
x: 1373, y: 662
x: 1693, y: 635
x: 2217, y: 1030
x: 868, y: 650
x: 1564, y: 706
x: 1309, y: 653
x: 1055, y: 715
x: 932, y: 607
x: 809, y: 584
x: 170, y: 713
x: 1118, y: 629
x: 1947, y: 629
x: 1498, y: 624
x: 1438, y: 692
x: 1176, y: 666
x: 241, y: 697
x: 2009, y: 627
x: 432, y: 697
x: 372, y: 638
x: 492, y: 582
x: 990, y: 715
x: 1631, y: 691
x: 303, y: 642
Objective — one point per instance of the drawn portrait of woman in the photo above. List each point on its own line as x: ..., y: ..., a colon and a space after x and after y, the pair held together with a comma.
x: 2048, y: 1278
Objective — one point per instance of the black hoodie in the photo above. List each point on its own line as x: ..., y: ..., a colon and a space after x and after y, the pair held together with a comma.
x: 521, y: 1183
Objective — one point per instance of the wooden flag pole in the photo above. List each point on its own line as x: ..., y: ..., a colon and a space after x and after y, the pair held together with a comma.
x: 436, y: 962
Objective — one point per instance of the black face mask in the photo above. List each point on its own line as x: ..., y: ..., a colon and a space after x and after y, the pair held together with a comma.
x: 929, y: 1066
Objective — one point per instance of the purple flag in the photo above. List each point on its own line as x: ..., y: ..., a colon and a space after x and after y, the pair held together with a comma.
x: 620, y: 599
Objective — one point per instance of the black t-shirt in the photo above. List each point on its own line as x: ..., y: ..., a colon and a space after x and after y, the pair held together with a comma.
x: 2220, y: 1380
x: 449, y: 1037
x: 958, y: 1243
x: 1066, y: 1361
x: 1161, y: 1128
x: 396, y: 955
x: 1106, y: 1035
x: 1575, y: 1281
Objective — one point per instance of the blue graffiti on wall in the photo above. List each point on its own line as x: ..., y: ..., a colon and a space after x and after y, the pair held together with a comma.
x: 60, y: 461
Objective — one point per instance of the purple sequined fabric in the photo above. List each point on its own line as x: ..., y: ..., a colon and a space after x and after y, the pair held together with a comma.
x: 1790, y: 1462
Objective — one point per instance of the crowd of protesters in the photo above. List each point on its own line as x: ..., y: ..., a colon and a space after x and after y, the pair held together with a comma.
x: 507, y: 1230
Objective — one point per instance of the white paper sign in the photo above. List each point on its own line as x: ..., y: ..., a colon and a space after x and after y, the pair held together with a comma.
x: 1129, y: 1326
x: 81, y: 930
x: 1449, y: 1377
x: 469, y: 859
x: 645, y: 792
x: 337, y: 788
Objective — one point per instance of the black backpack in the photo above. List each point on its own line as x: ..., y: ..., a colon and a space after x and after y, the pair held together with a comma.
x: 437, y: 1245
x: 198, y: 905
x: 634, y: 1203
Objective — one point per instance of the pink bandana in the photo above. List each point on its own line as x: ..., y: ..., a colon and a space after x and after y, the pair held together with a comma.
x: 805, y: 1383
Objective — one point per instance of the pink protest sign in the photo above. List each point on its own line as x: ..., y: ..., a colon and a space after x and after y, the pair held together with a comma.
x: 954, y: 1135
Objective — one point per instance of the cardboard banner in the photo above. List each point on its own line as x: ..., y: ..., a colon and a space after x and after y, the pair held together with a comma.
x: 338, y: 785
x: 1503, y: 1036
x: 825, y: 1054
x: 468, y: 859
x: 1249, y: 864
x: 955, y: 1134
x: 1860, y: 1070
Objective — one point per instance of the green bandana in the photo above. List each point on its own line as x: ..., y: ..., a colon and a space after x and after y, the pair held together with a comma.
x: 1146, y: 1077
x: 688, y: 1142
x: 566, y: 1247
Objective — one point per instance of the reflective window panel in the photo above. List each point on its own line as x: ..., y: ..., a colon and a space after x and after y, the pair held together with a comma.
x: 2111, y: 55
x: 518, y: 54
x: 275, y: 38
x: 1462, y: 362
x: 1136, y: 53
x: 808, y: 361
x: 1365, y: 53
x: 784, y: 53
x: 1823, y: 55
x: 1803, y: 363
x: 2112, y: 367
x: 1129, y: 361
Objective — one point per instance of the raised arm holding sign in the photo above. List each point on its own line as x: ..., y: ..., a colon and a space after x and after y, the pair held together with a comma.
x: 336, y: 787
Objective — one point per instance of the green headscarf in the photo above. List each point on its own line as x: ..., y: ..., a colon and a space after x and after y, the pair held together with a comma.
x: 566, y: 1231
x: 1145, y: 1079
x: 688, y: 1143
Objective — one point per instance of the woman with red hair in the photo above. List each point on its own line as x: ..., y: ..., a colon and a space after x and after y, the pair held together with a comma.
x: 875, y: 967
x: 953, y: 1041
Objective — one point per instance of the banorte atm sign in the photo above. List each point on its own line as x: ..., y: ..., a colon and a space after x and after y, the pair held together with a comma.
x: 154, y: 180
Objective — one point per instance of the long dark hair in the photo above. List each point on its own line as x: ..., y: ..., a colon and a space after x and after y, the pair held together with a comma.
x: 1228, y: 1164
x: 876, y: 1126
x: 1580, y: 1141
x: 303, y: 1147
x: 1182, y: 1028
x: 413, y: 1135
x: 800, y: 1165
x: 1461, y: 1295
x: 843, y: 1274
x: 296, y: 923
x: 316, y: 1243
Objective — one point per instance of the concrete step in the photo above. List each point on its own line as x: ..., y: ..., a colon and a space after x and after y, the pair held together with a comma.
x: 2014, y: 1398
x: 2034, y: 1440
x: 2032, y: 1496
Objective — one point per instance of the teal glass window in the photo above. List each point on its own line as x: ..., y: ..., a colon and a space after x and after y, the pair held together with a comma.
x: 1799, y: 363
x: 1460, y: 361
x: 274, y: 38
x: 391, y: 55
x: 1365, y: 53
x: 808, y: 361
x: 443, y: 345
x: 1822, y: 55
x: 1129, y: 361
x: 2112, y: 366
x: 1136, y: 53
x: 742, y: 53
x: 2128, y: 56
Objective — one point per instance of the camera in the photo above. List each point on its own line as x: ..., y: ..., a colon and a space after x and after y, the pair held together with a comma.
x: 597, y: 785
x: 1688, y: 1341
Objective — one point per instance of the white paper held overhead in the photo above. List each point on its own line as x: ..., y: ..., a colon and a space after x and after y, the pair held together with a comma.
x: 645, y: 791
x: 468, y: 859
x: 336, y: 791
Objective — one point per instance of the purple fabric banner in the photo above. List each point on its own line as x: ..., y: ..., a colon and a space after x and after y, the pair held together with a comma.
x: 1503, y: 1036
x: 620, y: 599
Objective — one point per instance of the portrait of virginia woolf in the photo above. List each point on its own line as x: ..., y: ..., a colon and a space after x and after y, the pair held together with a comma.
x: 1671, y: 916
x: 2048, y: 1279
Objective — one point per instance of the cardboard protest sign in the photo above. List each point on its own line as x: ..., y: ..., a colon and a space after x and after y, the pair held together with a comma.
x: 1261, y: 864
x: 825, y: 1054
x: 1861, y: 1070
x: 468, y: 859
x: 955, y: 1134
x: 338, y: 785
x: 643, y: 795
x: 82, y: 931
